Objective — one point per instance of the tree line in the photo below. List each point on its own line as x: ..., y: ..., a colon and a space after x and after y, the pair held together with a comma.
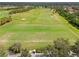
x: 5, y: 20
x: 71, y: 18
x: 21, y: 9
x: 59, y: 48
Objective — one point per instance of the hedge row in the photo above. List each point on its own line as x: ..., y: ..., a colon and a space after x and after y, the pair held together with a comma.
x: 5, y: 20
x: 20, y: 10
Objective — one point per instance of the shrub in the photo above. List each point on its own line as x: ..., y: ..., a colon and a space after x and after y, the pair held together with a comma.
x: 60, y: 48
x: 24, y: 53
x: 15, y: 48
x: 75, y: 48
x: 3, y: 52
x: 5, y: 20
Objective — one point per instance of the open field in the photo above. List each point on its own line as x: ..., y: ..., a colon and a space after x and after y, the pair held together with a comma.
x: 3, y: 13
x: 36, y: 28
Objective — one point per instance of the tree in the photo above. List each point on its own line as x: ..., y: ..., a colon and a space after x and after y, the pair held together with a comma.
x: 24, y: 53
x: 15, y: 48
x: 3, y: 52
x: 47, y: 51
x: 75, y: 48
x: 61, y: 48
x: 71, y: 18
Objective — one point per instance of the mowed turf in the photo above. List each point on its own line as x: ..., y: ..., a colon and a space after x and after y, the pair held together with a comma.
x: 37, y: 28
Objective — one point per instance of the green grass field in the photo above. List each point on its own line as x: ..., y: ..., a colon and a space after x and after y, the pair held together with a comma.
x: 4, y: 14
x: 37, y: 28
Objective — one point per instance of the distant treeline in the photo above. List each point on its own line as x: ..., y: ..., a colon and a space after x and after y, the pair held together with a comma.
x: 39, y: 3
x: 21, y: 9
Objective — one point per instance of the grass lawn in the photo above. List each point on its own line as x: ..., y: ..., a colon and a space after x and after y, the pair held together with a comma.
x: 37, y: 28
x: 4, y: 14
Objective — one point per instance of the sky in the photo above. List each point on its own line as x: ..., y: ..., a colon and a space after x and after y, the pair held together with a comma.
x: 39, y: 0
